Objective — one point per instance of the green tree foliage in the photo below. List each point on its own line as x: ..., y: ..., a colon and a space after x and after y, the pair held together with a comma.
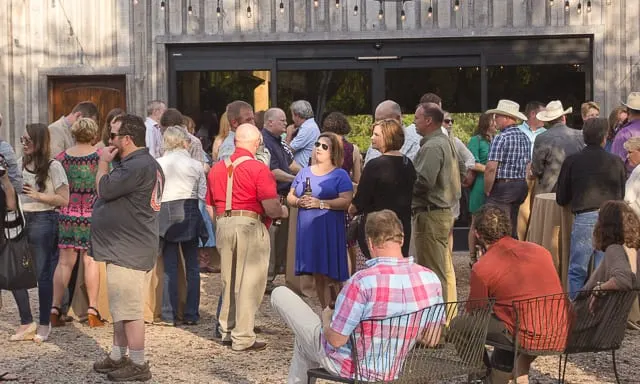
x: 463, y: 127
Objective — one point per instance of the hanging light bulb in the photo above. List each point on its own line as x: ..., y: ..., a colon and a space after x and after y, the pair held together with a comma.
x: 281, y: 7
x: 337, y: 3
x: 316, y: 3
x: 190, y: 10
x: 551, y: 3
x: 589, y: 6
x: 162, y: 5
x: 135, y: 2
x: 403, y: 15
x: 380, y: 13
x: 579, y: 7
x: 567, y: 7
x: 249, y: 14
x: 608, y: 2
x: 430, y: 12
x: 355, y: 10
x: 456, y: 5
x: 218, y: 12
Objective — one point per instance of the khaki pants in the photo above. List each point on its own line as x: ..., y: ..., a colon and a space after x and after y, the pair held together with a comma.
x: 279, y: 236
x: 244, y: 249
x: 431, y: 237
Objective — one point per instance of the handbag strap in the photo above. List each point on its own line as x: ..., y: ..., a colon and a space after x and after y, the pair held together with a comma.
x: 14, y: 221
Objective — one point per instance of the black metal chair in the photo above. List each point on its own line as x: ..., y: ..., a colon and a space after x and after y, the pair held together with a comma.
x: 442, y: 341
x: 553, y: 325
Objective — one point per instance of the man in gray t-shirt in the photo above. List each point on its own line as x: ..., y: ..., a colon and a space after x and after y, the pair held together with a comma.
x: 124, y: 234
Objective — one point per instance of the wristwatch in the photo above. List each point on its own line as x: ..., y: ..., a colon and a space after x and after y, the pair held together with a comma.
x: 322, y: 206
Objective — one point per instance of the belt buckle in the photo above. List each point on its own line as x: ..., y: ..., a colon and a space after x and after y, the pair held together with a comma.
x: 227, y: 214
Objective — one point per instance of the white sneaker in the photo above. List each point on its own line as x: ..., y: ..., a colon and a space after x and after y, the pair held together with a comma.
x: 27, y: 334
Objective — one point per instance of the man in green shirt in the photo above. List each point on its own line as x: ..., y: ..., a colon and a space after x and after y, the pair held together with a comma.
x: 437, y: 186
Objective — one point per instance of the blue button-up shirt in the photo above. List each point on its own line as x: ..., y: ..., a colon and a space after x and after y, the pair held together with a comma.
x: 512, y: 150
x: 526, y: 129
x: 281, y: 158
x: 302, y: 144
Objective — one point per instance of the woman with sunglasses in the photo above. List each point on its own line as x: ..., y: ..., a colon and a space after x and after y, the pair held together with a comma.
x: 80, y: 163
x: 479, y: 146
x: 46, y: 189
x: 322, y: 192
x: 387, y: 181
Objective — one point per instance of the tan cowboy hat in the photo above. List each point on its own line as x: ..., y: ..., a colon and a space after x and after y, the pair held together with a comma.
x: 633, y: 101
x: 508, y: 108
x: 552, y: 111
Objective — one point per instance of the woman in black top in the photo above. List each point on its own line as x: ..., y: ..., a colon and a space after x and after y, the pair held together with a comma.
x: 387, y: 181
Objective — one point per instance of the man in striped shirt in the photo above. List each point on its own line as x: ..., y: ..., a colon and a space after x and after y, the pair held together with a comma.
x: 398, y: 285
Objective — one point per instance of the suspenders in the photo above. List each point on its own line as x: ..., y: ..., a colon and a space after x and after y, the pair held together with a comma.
x: 230, y: 167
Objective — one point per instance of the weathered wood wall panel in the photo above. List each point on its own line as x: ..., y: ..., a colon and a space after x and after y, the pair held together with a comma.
x: 79, y: 37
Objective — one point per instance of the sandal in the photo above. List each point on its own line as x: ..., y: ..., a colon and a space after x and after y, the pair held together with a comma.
x: 94, y: 320
x: 55, y: 319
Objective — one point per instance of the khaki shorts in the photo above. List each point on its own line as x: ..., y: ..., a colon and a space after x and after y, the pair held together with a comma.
x: 125, y: 288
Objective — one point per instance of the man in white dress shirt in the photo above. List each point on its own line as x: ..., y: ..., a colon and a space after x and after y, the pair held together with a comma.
x: 153, y: 135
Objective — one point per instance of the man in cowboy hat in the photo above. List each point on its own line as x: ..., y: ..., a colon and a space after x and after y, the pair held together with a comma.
x: 631, y: 129
x: 552, y: 147
x: 506, y: 169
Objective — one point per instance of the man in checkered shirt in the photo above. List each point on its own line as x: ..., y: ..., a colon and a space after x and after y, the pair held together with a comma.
x: 391, y: 285
x: 505, y: 174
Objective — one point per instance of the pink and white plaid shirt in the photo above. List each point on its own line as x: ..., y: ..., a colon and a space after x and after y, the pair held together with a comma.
x: 388, y: 287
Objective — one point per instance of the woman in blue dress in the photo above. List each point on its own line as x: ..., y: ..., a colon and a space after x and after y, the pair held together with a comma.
x: 322, y: 192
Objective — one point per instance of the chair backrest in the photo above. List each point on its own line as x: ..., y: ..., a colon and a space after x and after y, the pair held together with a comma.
x: 542, y: 323
x: 600, y: 322
x: 444, y: 340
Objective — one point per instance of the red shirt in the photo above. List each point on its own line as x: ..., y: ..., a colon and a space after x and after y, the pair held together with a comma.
x: 517, y: 270
x: 252, y: 183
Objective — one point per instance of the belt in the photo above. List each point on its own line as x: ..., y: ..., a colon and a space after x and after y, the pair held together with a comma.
x: 508, y: 180
x: 428, y: 208
x: 586, y: 211
x: 241, y: 213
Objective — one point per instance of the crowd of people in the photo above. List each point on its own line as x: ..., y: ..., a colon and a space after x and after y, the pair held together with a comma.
x: 375, y: 234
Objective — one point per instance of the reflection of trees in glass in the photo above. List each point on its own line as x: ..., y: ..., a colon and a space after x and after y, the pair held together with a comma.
x: 347, y: 91
x: 219, y: 88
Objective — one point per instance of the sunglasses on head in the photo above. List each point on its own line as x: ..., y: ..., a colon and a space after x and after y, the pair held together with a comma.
x: 323, y: 145
x: 448, y: 121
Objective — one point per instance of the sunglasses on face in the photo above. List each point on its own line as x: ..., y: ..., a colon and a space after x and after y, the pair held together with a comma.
x: 448, y: 121
x: 114, y: 135
x: 25, y: 140
x: 323, y: 145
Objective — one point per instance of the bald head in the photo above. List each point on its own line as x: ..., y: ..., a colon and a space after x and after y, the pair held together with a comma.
x: 388, y: 109
x: 248, y: 137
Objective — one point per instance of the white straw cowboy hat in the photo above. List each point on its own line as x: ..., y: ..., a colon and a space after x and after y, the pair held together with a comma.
x: 633, y: 101
x: 508, y: 108
x: 552, y: 111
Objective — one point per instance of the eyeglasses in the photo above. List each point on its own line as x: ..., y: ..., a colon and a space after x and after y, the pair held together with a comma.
x: 448, y: 121
x: 25, y: 140
x: 323, y: 145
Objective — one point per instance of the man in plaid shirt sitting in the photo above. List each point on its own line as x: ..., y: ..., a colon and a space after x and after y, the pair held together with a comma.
x: 391, y: 285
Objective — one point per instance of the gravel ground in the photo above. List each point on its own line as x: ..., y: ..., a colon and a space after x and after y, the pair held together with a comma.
x: 190, y: 355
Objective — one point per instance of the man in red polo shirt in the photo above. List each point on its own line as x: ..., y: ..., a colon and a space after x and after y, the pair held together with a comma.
x: 514, y: 270
x: 242, y: 192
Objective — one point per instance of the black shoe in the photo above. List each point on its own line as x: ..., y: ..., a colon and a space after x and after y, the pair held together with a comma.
x: 216, y: 332
x: 257, y: 346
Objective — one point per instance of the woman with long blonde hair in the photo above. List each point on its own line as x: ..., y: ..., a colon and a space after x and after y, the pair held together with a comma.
x: 225, y: 128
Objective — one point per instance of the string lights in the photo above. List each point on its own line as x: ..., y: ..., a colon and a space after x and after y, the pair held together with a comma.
x: 588, y: 6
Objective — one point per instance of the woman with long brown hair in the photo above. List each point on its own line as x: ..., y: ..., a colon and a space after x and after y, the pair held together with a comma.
x: 225, y: 128
x: 479, y: 146
x: 102, y: 138
x: 46, y: 188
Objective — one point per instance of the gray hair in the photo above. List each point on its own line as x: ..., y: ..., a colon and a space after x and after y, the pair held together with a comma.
x: 270, y: 114
x: 154, y: 105
x: 389, y: 109
x: 302, y: 109
x: 174, y: 138
x: 632, y: 144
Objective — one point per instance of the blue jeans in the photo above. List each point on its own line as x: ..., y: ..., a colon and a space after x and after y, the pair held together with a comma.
x: 582, y: 250
x: 21, y: 296
x: 42, y: 232
x: 171, y: 255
